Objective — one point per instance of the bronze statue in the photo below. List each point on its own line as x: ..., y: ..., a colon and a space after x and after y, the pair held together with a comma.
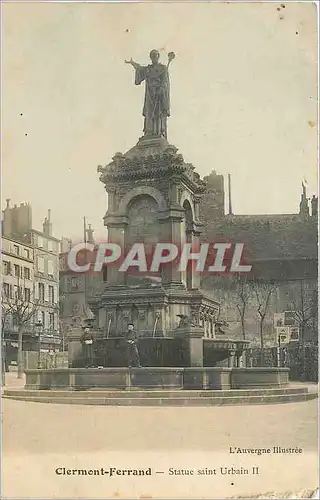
x: 221, y: 327
x: 185, y: 321
x: 156, y: 107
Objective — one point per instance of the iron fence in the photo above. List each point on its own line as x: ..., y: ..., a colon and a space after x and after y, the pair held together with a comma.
x: 302, y: 359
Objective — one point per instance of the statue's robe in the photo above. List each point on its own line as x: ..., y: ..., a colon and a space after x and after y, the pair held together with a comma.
x: 156, y: 107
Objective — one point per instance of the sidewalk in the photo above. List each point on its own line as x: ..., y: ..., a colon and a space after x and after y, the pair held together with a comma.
x: 11, y: 381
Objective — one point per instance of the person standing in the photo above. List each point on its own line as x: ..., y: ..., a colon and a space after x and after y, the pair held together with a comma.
x: 87, y: 341
x: 51, y: 356
x: 133, y: 352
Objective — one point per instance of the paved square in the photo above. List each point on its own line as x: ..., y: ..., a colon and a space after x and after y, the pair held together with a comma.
x: 37, y: 437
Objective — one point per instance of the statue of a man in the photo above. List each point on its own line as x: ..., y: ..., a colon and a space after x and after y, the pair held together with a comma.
x: 156, y: 107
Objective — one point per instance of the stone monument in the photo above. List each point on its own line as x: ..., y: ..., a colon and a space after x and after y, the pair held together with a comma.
x: 153, y: 196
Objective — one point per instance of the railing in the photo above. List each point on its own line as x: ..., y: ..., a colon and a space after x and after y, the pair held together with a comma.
x: 47, y: 360
x: 301, y: 359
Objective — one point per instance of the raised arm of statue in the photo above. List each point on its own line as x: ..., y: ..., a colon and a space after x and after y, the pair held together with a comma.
x: 140, y: 71
x: 134, y: 64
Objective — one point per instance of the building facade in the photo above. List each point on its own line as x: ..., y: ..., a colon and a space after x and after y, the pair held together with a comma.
x: 46, y: 281
x: 17, y: 287
x: 76, y: 289
x: 40, y: 250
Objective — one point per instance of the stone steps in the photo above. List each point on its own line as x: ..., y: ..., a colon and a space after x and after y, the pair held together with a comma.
x: 164, y: 398
x: 154, y: 393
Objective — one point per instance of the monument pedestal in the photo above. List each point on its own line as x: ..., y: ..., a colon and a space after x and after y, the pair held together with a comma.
x: 74, y: 345
x: 192, y: 341
x: 153, y: 309
x: 154, y: 197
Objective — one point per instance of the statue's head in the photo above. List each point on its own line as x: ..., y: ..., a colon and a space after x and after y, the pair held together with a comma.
x: 154, y: 55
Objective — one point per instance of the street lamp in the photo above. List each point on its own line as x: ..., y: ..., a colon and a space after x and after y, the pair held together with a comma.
x: 3, y: 362
x: 38, y: 326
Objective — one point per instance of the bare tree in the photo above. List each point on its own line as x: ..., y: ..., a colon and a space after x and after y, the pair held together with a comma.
x: 244, y: 291
x: 263, y: 291
x: 20, y: 306
x: 305, y: 308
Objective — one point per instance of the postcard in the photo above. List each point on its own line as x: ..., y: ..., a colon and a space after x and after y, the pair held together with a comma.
x: 159, y: 240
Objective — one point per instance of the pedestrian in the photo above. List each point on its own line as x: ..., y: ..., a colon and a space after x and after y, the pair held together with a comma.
x: 51, y: 358
x: 87, y: 341
x: 5, y: 357
x: 286, y: 359
x: 132, y: 342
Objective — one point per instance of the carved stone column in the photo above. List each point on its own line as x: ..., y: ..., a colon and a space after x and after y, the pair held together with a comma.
x: 171, y: 233
x: 196, y: 231
x: 231, y: 359
x: 116, y: 225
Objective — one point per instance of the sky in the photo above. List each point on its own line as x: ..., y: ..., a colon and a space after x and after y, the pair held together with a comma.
x: 243, y: 100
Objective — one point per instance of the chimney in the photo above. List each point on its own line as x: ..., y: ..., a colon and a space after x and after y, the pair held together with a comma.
x: 89, y: 238
x: 47, y: 226
x: 229, y: 194
x: 304, y: 210
x: 314, y: 206
x: 8, y: 204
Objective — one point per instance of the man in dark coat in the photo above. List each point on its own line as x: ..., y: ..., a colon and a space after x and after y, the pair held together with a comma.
x: 87, y: 341
x: 132, y: 341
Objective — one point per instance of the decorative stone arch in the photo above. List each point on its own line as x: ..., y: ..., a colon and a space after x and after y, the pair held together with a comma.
x: 186, y: 197
x: 142, y: 191
x: 188, y: 212
x: 186, y: 237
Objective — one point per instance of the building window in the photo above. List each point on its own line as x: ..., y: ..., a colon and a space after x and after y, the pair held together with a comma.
x: 26, y: 271
x: 26, y: 253
x: 17, y: 270
x: 50, y: 246
x: 51, y: 294
x: 27, y: 294
x: 41, y: 264
x: 43, y: 319
x: 51, y: 320
x: 6, y: 267
x: 16, y: 249
x: 40, y: 242
x: 50, y: 267
x: 41, y: 291
x: 6, y: 290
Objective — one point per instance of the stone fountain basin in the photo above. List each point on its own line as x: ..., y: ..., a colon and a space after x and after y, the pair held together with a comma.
x: 218, y: 378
